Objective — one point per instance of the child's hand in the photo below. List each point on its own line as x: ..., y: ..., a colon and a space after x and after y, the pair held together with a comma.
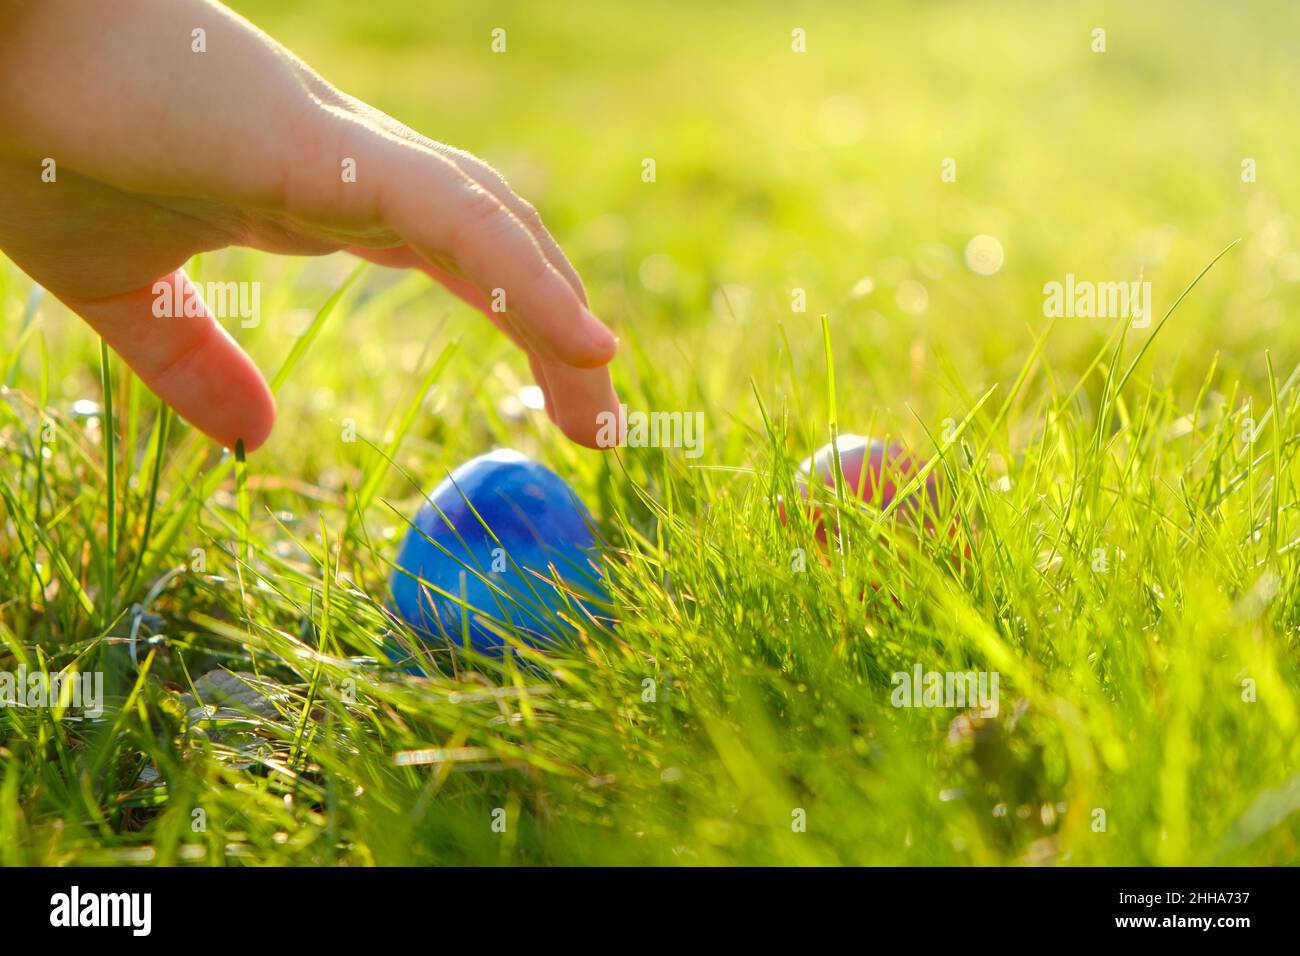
x: 161, y: 152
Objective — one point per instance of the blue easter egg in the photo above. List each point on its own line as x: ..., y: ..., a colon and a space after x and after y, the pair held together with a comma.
x: 483, y: 537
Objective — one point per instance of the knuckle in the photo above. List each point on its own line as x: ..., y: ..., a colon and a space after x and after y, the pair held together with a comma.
x: 473, y: 212
x: 478, y: 206
x: 529, y: 216
x: 538, y: 269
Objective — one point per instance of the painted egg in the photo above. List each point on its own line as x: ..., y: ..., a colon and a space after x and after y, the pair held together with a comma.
x: 503, y: 544
x: 871, y: 471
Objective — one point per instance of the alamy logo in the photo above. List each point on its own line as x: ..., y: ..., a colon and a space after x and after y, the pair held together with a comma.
x: 224, y: 300
x: 958, y: 689
x: 651, y: 430
x: 84, y: 692
x: 1098, y: 300
x: 72, y: 909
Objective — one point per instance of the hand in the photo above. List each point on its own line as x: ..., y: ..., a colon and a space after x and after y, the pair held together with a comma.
x: 162, y: 152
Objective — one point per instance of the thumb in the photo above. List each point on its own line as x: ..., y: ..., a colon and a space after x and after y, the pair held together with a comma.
x: 166, y: 333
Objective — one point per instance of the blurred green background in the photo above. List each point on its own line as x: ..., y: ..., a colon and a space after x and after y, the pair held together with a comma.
x: 821, y: 171
x: 777, y: 171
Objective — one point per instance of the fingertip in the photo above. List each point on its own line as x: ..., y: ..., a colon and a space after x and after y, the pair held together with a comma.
x: 563, y: 328
x: 596, y: 348
x: 189, y: 361
x: 584, y: 434
x: 250, y: 419
x: 217, y: 389
x: 259, y: 424
x: 586, y: 407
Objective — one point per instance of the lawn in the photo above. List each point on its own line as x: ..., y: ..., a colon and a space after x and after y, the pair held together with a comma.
x: 1122, y: 494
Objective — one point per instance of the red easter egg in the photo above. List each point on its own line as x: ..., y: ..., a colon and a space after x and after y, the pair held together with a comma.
x: 871, y: 471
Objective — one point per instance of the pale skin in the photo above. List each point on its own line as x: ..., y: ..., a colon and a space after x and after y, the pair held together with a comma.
x: 161, y: 152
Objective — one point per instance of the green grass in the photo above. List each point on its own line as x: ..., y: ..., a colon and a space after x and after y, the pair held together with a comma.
x: 1171, y: 456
